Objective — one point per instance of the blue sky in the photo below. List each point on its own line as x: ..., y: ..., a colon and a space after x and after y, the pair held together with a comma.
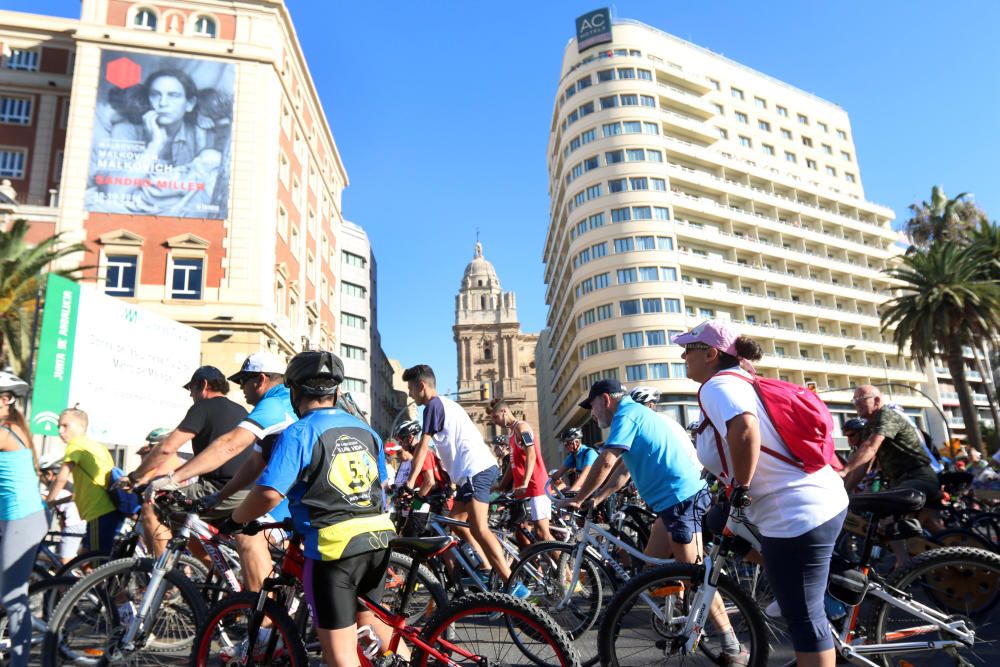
x: 441, y: 112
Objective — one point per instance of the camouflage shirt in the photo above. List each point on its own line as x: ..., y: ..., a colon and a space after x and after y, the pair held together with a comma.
x: 901, y: 451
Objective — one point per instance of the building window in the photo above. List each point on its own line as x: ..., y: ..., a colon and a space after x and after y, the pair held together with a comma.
x: 632, y: 339
x: 629, y: 100
x: 823, y: 126
x: 806, y: 141
x: 790, y: 157
x: 737, y: 93
x: 842, y: 135
x: 803, y: 119
x: 350, y: 259
x: 629, y: 307
x: 12, y: 163
x: 760, y: 103
x: 144, y: 19
x: 608, y: 343
x: 768, y: 150
x: 635, y: 372
x: 722, y: 133
x: 659, y: 371
x: 742, y: 117
x: 354, y: 385
x: 672, y: 305
x: 849, y: 177
x: 745, y: 142
x: 25, y: 60
x: 652, y: 306
x: 782, y: 111
x: 845, y: 156
x: 15, y: 110
x: 350, y: 289
x: 605, y: 75
x: 121, y: 274
x: 830, y: 171
x: 352, y: 321
x: 632, y: 127
x: 186, y: 277
x: 352, y: 352
x: 626, y: 276
x: 811, y: 163
x: 204, y: 26
x: 678, y: 370
x: 604, y: 312
x: 661, y: 213
x: 655, y: 337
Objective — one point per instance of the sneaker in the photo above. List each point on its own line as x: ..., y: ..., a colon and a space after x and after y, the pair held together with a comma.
x: 773, y: 610
x: 742, y: 658
x: 482, y: 579
x: 238, y: 652
x: 520, y: 591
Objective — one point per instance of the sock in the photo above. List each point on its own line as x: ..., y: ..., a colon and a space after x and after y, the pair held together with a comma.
x: 730, y: 644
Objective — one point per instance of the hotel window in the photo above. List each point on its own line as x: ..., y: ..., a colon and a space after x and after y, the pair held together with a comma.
x: 719, y: 109
x: 654, y: 156
x: 845, y: 156
x: 588, y: 136
x: 604, y: 312
x: 611, y: 129
x: 583, y: 83
x: 626, y: 73
x: 350, y: 259
x: 350, y: 289
x: 737, y: 93
x: 626, y: 276
x: 650, y: 128
x: 764, y: 125
x: 742, y: 117
x: 352, y: 352
x: 632, y: 127
x: 648, y: 273
x: 811, y: 163
x: 609, y: 102
x: 823, y: 126
x: 806, y: 141
x: 354, y: 385
x: 678, y: 370
x: 15, y: 110
x: 659, y: 184
x: 669, y: 273
x: 605, y: 75
x: 715, y: 84
x: 706, y: 312
x: 617, y: 185
x: 593, y: 192
x: 642, y: 212
x: 629, y: 100
x: 831, y: 171
x: 645, y: 243
x: 621, y: 214
x: 599, y: 249
x: 614, y: 157
x: 144, y: 19
x: 803, y: 119
x: 790, y: 157
x: 12, y: 163
x: 656, y: 337
x: 586, y: 109
x: 745, y: 141
x: 768, y: 150
x: 828, y: 149
x: 652, y: 306
x: 638, y: 183
x: 849, y: 177
x: 25, y: 60
x: 672, y: 305
x: 592, y: 162
x: 661, y: 213
x: 352, y: 321
x: 782, y: 111
x: 647, y: 101
x: 204, y: 27
x: 595, y: 221
x: 842, y: 135
x: 629, y: 307
x: 645, y: 74
x: 602, y: 280
x: 760, y: 103
x: 632, y: 339
x: 659, y: 371
x: 186, y: 276
x: 608, y: 343
x: 635, y: 372
x: 722, y: 133
x: 786, y: 134
x: 121, y: 275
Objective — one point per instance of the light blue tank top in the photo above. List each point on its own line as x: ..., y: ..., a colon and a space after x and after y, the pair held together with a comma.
x: 19, y: 493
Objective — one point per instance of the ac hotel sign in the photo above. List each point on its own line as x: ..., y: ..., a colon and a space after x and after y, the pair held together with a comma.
x: 593, y: 28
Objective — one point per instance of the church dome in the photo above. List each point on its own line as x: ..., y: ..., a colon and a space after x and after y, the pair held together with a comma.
x: 480, y: 271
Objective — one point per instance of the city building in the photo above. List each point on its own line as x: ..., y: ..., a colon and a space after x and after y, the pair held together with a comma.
x: 686, y: 186
x: 187, y: 146
x: 946, y: 419
x: 495, y: 359
x: 356, y: 304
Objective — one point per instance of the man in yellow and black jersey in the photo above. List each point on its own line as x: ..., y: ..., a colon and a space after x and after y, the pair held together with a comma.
x: 330, y: 465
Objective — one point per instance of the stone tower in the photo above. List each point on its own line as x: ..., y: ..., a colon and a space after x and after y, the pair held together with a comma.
x: 491, y: 348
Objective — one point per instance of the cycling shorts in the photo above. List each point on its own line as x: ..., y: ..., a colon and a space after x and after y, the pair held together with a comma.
x: 332, y: 587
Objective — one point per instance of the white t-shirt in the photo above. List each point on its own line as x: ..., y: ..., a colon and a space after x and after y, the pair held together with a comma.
x: 458, y: 442
x: 680, y: 434
x: 787, y: 502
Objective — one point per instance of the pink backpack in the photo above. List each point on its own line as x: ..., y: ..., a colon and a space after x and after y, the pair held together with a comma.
x: 801, y: 419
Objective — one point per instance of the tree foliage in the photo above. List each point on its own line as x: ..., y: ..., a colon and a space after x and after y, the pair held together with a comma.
x: 23, y: 269
x: 942, y: 219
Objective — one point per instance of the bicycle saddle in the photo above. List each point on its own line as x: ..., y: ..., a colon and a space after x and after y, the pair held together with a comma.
x: 424, y: 546
x: 886, y: 503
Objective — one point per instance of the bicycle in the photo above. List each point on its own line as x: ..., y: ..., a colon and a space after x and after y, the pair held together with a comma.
x: 446, y: 640
x: 43, y: 595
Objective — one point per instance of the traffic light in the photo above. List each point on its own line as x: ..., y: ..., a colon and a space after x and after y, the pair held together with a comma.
x: 485, y: 391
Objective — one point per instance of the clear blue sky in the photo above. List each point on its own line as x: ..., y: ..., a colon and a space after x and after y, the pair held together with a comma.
x: 441, y: 112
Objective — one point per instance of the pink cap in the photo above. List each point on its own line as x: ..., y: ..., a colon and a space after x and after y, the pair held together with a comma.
x: 715, y: 333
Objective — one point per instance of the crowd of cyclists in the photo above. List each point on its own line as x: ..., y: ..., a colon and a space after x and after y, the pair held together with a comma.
x: 304, y: 453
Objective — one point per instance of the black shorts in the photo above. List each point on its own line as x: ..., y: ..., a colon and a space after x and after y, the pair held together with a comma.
x: 922, y: 479
x: 332, y: 587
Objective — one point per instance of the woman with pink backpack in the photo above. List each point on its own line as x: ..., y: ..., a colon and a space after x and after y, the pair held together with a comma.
x: 772, y: 441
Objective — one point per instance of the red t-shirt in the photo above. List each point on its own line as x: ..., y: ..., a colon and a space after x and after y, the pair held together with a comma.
x: 432, y: 464
x: 518, y: 463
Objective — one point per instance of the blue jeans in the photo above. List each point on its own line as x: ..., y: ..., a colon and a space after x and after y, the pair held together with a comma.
x: 798, y: 569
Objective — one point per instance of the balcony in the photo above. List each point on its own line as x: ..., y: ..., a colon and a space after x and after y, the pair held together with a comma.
x: 686, y: 125
x: 689, y: 101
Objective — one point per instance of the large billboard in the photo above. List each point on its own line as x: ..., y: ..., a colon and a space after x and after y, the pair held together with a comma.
x: 123, y: 365
x: 593, y: 28
x: 162, y: 136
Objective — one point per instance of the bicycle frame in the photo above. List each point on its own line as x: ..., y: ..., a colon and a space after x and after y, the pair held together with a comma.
x: 435, y: 522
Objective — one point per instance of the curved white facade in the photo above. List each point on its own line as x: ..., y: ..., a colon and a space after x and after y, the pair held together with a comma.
x: 685, y: 186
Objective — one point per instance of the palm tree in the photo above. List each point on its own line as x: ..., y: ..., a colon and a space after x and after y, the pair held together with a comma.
x: 22, y: 275
x: 942, y: 219
x: 946, y: 302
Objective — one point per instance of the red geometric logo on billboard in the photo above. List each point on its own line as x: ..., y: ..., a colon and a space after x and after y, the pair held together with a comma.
x: 123, y: 72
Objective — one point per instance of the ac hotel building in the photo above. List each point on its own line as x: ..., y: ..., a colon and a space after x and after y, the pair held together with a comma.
x: 686, y: 186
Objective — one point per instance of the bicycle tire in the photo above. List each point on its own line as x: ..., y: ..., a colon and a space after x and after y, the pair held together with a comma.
x: 219, y: 639
x: 543, y: 569
x: 664, y: 582
x: 428, y: 594
x: 99, y: 594
x: 957, y: 581
x: 450, y: 632
x: 43, y: 596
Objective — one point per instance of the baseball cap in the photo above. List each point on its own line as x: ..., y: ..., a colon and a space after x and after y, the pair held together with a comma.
x: 392, y: 447
x: 209, y: 373
x: 259, y: 362
x: 714, y: 333
x: 606, y: 386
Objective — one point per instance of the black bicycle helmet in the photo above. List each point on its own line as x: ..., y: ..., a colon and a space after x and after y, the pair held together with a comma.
x: 408, y: 427
x: 13, y: 384
x: 572, y: 433
x: 315, y: 372
x: 854, y: 425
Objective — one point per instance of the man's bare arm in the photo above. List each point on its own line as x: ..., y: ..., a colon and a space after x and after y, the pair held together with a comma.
x: 419, y: 454
x: 618, y: 478
x: 161, y: 454
x: 605, y: 463
x: 245, y: 476
x: 221, y: 450
x: 58, y: 483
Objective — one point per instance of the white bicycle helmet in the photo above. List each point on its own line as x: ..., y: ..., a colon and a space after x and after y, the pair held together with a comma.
x: 13, y: 384
x: 644, y: 395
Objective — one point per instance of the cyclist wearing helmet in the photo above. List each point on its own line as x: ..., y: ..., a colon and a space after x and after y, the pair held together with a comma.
x: 649, y: 397
x: 432, y: 476
x: 579, y: 458
x: 853, y: 428
x: 330, y: 465
x: 23, y: 523
x: 404, y: 434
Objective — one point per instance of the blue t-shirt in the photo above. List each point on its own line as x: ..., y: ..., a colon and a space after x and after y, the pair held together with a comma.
x: 662, y: 469
x: 272, y: 415
x: 585, y: 456
x: 330, y: 466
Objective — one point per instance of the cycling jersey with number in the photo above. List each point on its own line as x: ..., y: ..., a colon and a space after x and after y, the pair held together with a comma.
x: 331, y: 467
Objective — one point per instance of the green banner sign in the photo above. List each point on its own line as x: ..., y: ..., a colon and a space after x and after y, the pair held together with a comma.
x: 55, y: 355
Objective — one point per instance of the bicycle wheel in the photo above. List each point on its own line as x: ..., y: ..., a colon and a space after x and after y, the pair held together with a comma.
x: 223, y: 640
x: 428, y: 594
x: 89, y: 621
x: 959, y: 582
x: 643, y: 621
x: 465, y: 633
x: 43, y: 596
x: 546, y: 569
